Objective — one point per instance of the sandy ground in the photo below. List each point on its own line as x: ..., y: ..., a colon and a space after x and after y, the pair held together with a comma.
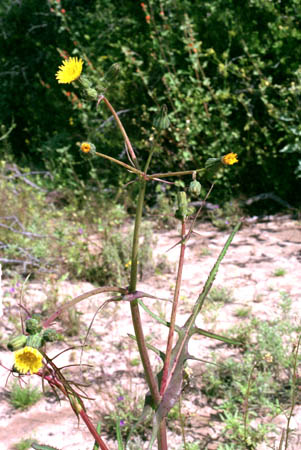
x: 258, y: 250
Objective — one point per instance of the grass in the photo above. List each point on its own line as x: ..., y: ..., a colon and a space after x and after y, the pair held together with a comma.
x: 24, y: 444
x: 280, y: 272
x: 23, y: 397
x: 220, y: 294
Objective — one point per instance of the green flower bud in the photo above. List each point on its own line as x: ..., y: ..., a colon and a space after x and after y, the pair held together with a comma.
x: 33, y: 326
x: 34, y: 341
x: 49, y: 335
x: 182, y: 211
x: 161, y: 120
x: 195, y: 188
x: 17, y: 342
x: 213, y: 163
x: 85, y: 82
x: 92, y: 93
x: 112, y: 73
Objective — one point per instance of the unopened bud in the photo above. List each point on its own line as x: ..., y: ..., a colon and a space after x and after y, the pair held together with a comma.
x: 182, y: 211
x: 85, y: 82
x: 195, y: 188
x: 33, y: 326
x: 49, y: 335
x: 17, y: 342
x: 161, y: 120
x: 34, y: 341
x: 92, y: 93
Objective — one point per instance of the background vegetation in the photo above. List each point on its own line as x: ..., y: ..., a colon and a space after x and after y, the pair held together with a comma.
x: 229, y: 75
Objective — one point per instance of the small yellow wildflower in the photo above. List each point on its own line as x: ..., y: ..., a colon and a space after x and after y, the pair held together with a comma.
x: 229, y: 159
x: 85, y: 147
x: 70, y: 70
x: 28, y: 359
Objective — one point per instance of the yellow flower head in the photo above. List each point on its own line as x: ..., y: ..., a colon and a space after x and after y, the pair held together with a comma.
x: 28, y: 359
x: 85, y: 147
x: 229, y: 159
x: 70, y: 70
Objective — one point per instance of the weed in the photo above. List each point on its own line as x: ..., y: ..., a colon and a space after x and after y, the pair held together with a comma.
x: 24, y: 444
x: 127, y: 411
x: 279, y: 272
x: 220, y: 294
x: 286, y: 303
x: 23, y: 398
x: 256, y: 382
x: 242, y: 312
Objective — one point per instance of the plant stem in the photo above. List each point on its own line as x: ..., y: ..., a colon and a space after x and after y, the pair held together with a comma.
x: 136, y: 319
x: 174, y: 174
x: 174, y: 311
x: 150, y: 378
x: 93, y: 430
x: 127, y: 166
x: 127, y: 141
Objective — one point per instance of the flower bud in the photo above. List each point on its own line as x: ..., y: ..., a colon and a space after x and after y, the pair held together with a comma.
x: 195, y: 188
x: 33, y: 326
x: 212, y: 163
x: 34, y: 341
x: 182, y: 211
x: 92, y: 93
x: 17, y: 342
x: 85, y: 82
x: 161, y: 120
x: 49, y: 335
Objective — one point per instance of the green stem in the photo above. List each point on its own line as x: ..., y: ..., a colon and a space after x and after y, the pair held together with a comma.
x: 151, y: 381
x: 174, y: 174
x: 136, y: 319
x: 130, y: 168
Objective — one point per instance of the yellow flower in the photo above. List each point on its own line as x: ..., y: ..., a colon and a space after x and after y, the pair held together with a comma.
x: 85, y: 147
x: 229, y: 159
x: 70, y: 70
x: 28, y: 359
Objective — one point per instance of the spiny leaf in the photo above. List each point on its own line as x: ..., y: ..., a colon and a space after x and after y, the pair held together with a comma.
x: 227, y: 340
x: 37, y: 446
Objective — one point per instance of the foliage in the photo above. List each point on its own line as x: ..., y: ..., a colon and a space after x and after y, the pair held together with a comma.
x: 23, y: 397
x: 24, y: 444
x: 50, y: 233
x: 259, y: 380
x: 229, y: 77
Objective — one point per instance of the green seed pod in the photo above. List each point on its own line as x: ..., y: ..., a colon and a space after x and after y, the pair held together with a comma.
x: 49, y: 335
x: 161, y: 120
x: 182, y: 211
x: 34, y: 341
x: 33, y: 326
x: 17, y: 342
x: 195, y: 188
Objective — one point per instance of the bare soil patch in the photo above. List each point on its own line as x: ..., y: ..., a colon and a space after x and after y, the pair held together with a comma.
x: 258, y: 251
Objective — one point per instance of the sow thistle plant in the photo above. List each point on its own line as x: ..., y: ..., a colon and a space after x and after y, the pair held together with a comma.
x: 30, y: 354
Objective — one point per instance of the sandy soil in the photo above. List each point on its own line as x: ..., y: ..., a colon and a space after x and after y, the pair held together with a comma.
x: 258, y: 250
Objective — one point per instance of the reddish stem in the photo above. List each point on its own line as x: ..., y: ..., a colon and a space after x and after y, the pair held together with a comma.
x: 51, y: 380
x: 174, y: 312
x: 93, y: 430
